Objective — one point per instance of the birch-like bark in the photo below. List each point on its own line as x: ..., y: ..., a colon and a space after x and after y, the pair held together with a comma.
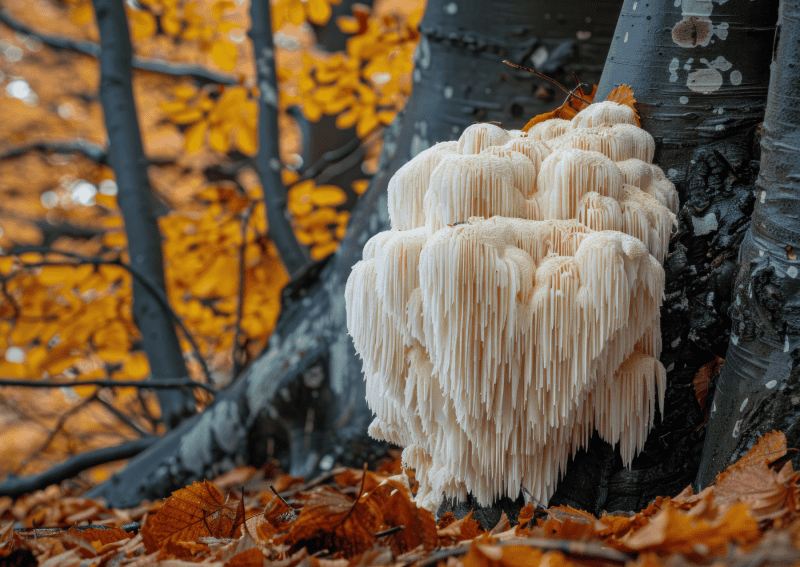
x: 137, y: 202
x: 758, y: 388
x: 699, y: 72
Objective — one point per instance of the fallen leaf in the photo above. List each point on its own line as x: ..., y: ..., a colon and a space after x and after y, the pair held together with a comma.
x: 198, y: 510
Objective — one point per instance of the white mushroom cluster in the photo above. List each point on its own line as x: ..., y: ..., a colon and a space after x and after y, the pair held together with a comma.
x: 513, y: 308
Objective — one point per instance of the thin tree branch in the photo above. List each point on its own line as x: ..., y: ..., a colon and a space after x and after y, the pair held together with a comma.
x: 294, y: 255
x: 61, y: 421
x: 94, y: 152
x: 238, y: 352
x: 328, y: 158
x: 91, y: 48
x: 162, y: 384
x: 17, y: 486
x: 121, y: 416
x: 570, y: 94
x: 151, y: 288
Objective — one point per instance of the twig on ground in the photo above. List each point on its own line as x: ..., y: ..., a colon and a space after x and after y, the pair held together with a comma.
x: 390, y: 531
x: 275, y: 492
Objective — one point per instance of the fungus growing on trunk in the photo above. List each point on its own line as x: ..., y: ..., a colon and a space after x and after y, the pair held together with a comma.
x: 513, y: 308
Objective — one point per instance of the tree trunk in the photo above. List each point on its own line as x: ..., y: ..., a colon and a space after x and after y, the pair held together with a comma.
x: 699, y: 74
x: 759, y: 384
x: 302, y: 400
x: 137, y: 203
x: 268, y: 160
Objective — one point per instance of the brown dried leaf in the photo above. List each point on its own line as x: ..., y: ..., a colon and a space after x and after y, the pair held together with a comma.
x: 566, y: 111
x: 198, y: 510
x: 331, y: 520
x: 703, y: 378
x: 672, y: 532
x: 768, y: 494
x: 623, y: 94
x: 393, y: 496
x: 461, y: 530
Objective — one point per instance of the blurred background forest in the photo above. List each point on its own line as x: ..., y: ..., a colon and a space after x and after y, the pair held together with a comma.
x: 343, y: 72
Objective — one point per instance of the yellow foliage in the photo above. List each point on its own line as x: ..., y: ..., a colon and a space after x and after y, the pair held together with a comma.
x: 298, y: 11
x: 230, y: 119
x: 180, y: 20
x: 316, y: 221
x: 365, y: 86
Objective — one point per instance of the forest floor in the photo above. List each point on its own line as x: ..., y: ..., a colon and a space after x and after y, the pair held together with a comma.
x: 349, y: 517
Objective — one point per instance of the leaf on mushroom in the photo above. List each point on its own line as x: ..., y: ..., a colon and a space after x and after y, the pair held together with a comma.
x: 623, y: 94
x: 566, y: 111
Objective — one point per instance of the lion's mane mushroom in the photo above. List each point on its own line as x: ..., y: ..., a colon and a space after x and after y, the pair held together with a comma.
x: 606, y: 112
x: 513, y: 309
x: 650, y: 179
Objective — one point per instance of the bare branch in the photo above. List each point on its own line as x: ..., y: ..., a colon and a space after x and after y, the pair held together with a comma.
x: 162, y: 384
x: 120, y: 415
x: 17, y: 486
x: 570, y: 94
x: 238, y: 352
x: 143, y: 63
x: 92, y: 151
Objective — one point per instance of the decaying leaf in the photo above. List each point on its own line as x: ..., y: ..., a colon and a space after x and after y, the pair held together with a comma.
x: 198, y: 510
x: 703, y: 378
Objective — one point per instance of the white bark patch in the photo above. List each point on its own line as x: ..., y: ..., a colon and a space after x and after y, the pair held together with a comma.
x: 704, y: 81
x: 539, y: 56
x: 673, y: 69
x: 792, y: 272
x: 423, y: 53
x: 736, y: 77
x: 771, y: 384
x: 744, y: 403
x: 268, y: 94
x: 705, y: 225
x: 684, y: 99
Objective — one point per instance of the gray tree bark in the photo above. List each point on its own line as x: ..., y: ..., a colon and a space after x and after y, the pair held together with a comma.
x: 699, y: 72
x: 758, y: 388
